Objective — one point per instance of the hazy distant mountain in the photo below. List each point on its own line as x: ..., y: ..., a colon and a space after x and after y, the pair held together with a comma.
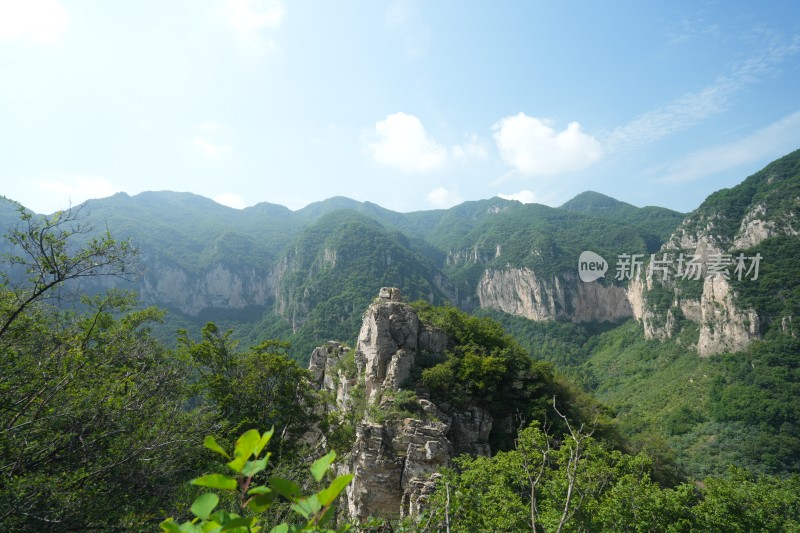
x: 706, y: 367
x: 314, y: 269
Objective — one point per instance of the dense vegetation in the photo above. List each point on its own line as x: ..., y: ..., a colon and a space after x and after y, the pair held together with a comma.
x: 333, y: 270
x: 486, y: 367
x: 775, y: 294
x: 542, y: 238
x: 436, y: 255
x: 101, y: 422
x: 573, y: 482
x: 775, y: 189
x: 658, y: 223
x: 103, y: 406
x: 701, y: 414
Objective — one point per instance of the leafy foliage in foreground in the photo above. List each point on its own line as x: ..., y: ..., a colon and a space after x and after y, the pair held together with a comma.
x: 248, y: 461
x: 575, y: 483
x: 95, y: 413
x: 89, y: 402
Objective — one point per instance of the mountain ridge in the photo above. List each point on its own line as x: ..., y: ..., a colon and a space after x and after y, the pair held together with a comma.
x: 199, y: 256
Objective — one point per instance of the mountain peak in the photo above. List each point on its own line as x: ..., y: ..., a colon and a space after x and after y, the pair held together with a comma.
x: 591, y: 201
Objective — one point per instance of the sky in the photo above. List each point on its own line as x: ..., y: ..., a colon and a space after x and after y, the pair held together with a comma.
x: 408, y: 104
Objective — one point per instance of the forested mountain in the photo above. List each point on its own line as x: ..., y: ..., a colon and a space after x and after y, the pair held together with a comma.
x: 271, y: 266
x: 658, y: 222
x: 683, y: 357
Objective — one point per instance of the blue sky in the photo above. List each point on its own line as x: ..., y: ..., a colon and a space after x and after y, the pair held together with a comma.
x: 409, y: 104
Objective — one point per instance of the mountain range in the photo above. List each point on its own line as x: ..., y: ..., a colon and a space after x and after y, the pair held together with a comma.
x: 629, y: 337
x: 311, y: 272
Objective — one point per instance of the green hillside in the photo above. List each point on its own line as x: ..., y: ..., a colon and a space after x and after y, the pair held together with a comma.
x: 106, y: 397
x: 545, y: 239
x: 657, y: 223
x: 333, y: 268
x: 775, y: 189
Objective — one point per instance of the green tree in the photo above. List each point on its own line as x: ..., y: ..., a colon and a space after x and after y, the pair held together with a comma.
x: 51, y: 251
x: 258, y: 387
x: 85, y: 398
x: 743, y: 502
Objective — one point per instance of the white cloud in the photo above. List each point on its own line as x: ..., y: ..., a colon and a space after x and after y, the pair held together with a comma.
x: 250, y: 18
x: 231, y: 200
x: 770, y: 142
x: 525, y: 196
x: 211, y: 150
x: 533, y: 147
x: 443, y: 198
x: 693, y: 107
x: 41, y: 21
x: 401, y: 141
x: 472, y: 149
x: 72, y: 190
x: 686, y: 111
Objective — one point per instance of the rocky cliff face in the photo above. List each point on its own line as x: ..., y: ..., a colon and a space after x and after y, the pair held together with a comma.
x: 520, y: 291
x: 723, y: 326
x: 394, y: 460
x: 219, y: 286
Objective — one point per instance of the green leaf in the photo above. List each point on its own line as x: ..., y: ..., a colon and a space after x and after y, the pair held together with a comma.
x: 327, y: 495
x: 238, y: 463
x: 247, y: 444
x: 326, y: 517
x: 260, y: 489
x: 223, y: 517
x: 204, y: 504
x: 280, y: 528
x: 321, y: 465
x: 307, y: 507
x: 211, y: 444
x: 170, y: 525
x: 263, y: 441
x: 215, y: 481
x: 261, y: 503
x: 238, y: 523
x: 286, y: 488
x: 252, y: 468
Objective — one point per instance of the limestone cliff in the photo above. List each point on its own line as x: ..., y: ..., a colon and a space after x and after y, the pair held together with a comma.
x: 394, y: 459
x: 520, y: 291
x: 219, y: 286
x: 730, y: 221
x: 724, y: 327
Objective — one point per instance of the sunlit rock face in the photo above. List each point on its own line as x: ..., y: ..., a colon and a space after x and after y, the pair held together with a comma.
x: 394, y: 462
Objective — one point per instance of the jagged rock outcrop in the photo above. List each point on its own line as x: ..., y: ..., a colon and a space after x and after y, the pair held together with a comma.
x: 394, y: 460
x: 329, y: 373
x: 387, y: 344
x: 392, y: 465
x: 723, y: 326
